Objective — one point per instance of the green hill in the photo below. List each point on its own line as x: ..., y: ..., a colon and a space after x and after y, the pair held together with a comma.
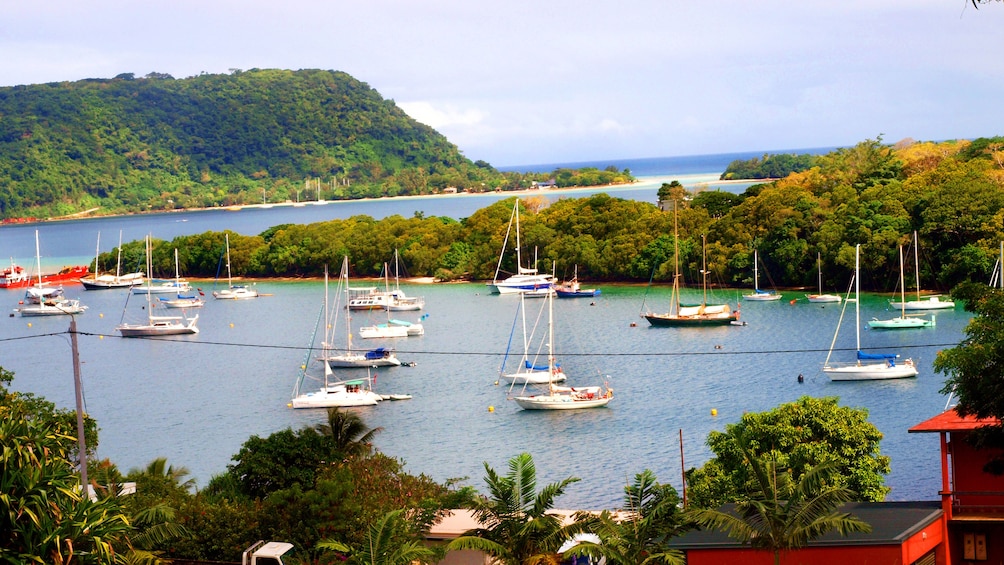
x: 157, y: 143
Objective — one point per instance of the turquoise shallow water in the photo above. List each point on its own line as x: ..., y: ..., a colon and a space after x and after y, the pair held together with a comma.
x: 195, y: 400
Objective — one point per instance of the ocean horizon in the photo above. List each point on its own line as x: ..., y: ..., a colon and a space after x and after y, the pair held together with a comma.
x: 662, y: 166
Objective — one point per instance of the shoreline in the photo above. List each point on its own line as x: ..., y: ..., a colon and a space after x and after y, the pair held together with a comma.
x: 696, y: 180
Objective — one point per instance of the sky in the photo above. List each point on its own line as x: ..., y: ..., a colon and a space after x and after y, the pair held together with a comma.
x: 517, y: 82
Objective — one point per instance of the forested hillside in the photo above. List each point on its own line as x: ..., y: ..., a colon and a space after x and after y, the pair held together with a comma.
x: 132, y: 144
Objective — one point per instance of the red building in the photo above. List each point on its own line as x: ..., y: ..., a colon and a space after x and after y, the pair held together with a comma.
x: 972, y: 491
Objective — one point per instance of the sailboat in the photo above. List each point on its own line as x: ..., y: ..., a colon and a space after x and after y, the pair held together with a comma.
x: 156, y: 325
x: 528, y: 372
x: 233, y: 292
x: 869, y: 366
x: 399, y: 302
x: 106, y: 281
x: 332, y: 393
x: 758, y: 294
x: 182, y: 300
x: 903, y: 322
x: 394, y: 300
x: 562, y: 397
x: 41, y: 299
x: 526, y: 279
x: 572, y: 288
x: 928, y: 302
x: 379, y: 357
x: 821, y: 297
x: 691, y: 316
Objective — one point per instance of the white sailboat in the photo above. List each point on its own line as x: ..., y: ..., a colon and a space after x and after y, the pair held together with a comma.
x: 562, y: 397
x: 156, y: 325
x: 379, y: 357
x: 233, y: 292
x: 182, y: 300
x: 758, y: 294
x: 41, y: 299
x: 526, y: 279
x: 332, y: 393
x: 97, y: 281
x: 868, y: 366
x: 903, y: 322
x: 528, y: 372
x: 399, y: 301
x: 928, y: 302
x: 821, y: 296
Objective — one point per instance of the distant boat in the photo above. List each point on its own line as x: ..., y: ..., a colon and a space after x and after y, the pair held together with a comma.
x: 526, y: 279
x: 156, y: 325
x: 572, y: 289
x: 701, y: 315
x: 107, y: 280
x: 379, y: 357
x: 562, y: 397
x: 821, y: 297
x: 928, y: 302
x: 16, y: 276
x: 868, y: 366
x: 233, y: 291
x: 182, y: 300
x: 903, y: 322
x: 44, y: 300
x: 758, y: 294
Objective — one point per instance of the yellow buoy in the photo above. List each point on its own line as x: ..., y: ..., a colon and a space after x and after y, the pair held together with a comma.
x: 231, y: 324
x: 101, y: 315
x: 491, y: 408
x: 496, y: 383
x: 29, y: 324
x: 101, y: 337
x: 714, y: 411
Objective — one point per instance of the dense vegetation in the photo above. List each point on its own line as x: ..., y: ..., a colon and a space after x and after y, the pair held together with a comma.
x: 132, y: 144
x: 328, y: 491
x: 774, y: 166
x: 950, y: 193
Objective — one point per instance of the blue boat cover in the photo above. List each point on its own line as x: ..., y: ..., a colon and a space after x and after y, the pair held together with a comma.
x: 891, y: 357
x: 378, y: 353
x: 530, y: 365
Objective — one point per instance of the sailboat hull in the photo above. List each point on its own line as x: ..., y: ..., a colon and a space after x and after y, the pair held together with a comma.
x: 560, y: 402
x: 870, y: 371
x: 933, y: 303
x: 671, y: 321
x: 901, y: 324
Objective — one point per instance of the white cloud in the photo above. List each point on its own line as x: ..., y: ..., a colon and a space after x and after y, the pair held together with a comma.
x: 442, y: 117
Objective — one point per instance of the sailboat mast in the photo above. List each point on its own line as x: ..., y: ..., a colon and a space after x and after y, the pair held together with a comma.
x: 97, y: 251
x: 857, y: 294
x: 348, y: 315
x: 704, y: 269
x: 550, y: 340
x: 756, y: 272
x: 38, y: 260
x: 916, y: 261
x: 902, y: 285
x: 118, y: 261
x: 819, y: 269
x: 230, y: 281
x: 676, y: 262
x: 519, y: 260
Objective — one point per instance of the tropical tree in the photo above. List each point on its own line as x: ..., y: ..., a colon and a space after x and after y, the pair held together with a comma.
x: 782, y: 513
x: 652, y: 516
x: 388, y: 542
x: 517, y: 527
x: 349, y: 433
x: 798, y: 436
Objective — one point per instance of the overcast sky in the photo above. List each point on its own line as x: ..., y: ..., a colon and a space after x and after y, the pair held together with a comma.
x: 518, y: 82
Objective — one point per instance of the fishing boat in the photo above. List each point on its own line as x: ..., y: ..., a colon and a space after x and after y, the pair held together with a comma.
x: 930, y: 302
x: 867, y: 366
x: 233, y: 291
x: 562, y: 397
x: 16, y: 276
x: 106, y: 281
x: 758, y: 294
x: 821, y: 296
x: 903, y: 321
x: 529, y: 371
x: 155, y: 326
x: 700, y: 315
x: 42, y: 299
x: 378, y: 357
x: 182, y: 300
x: 526, y: 279
x: 572, y: 288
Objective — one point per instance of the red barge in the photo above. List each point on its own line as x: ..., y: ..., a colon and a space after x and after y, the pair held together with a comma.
x: 16, y: 276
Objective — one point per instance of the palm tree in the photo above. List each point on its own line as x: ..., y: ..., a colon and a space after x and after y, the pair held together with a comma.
x: 349, y: 433
x: 516, y: 526
x: 387, y: 543
x: 638, y: 535
x: 782, y: 514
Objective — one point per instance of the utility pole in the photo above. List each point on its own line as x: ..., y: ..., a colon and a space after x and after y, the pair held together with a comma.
x: 78, y: 390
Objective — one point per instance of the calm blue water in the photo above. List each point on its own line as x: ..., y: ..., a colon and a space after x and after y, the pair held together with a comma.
x: 195, y: 400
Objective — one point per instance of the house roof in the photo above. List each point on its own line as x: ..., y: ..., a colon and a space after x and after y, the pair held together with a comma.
x: 891, y: 522
x: 950, y: 421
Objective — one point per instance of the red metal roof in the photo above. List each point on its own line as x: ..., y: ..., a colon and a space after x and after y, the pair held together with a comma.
x: 950, y: 421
